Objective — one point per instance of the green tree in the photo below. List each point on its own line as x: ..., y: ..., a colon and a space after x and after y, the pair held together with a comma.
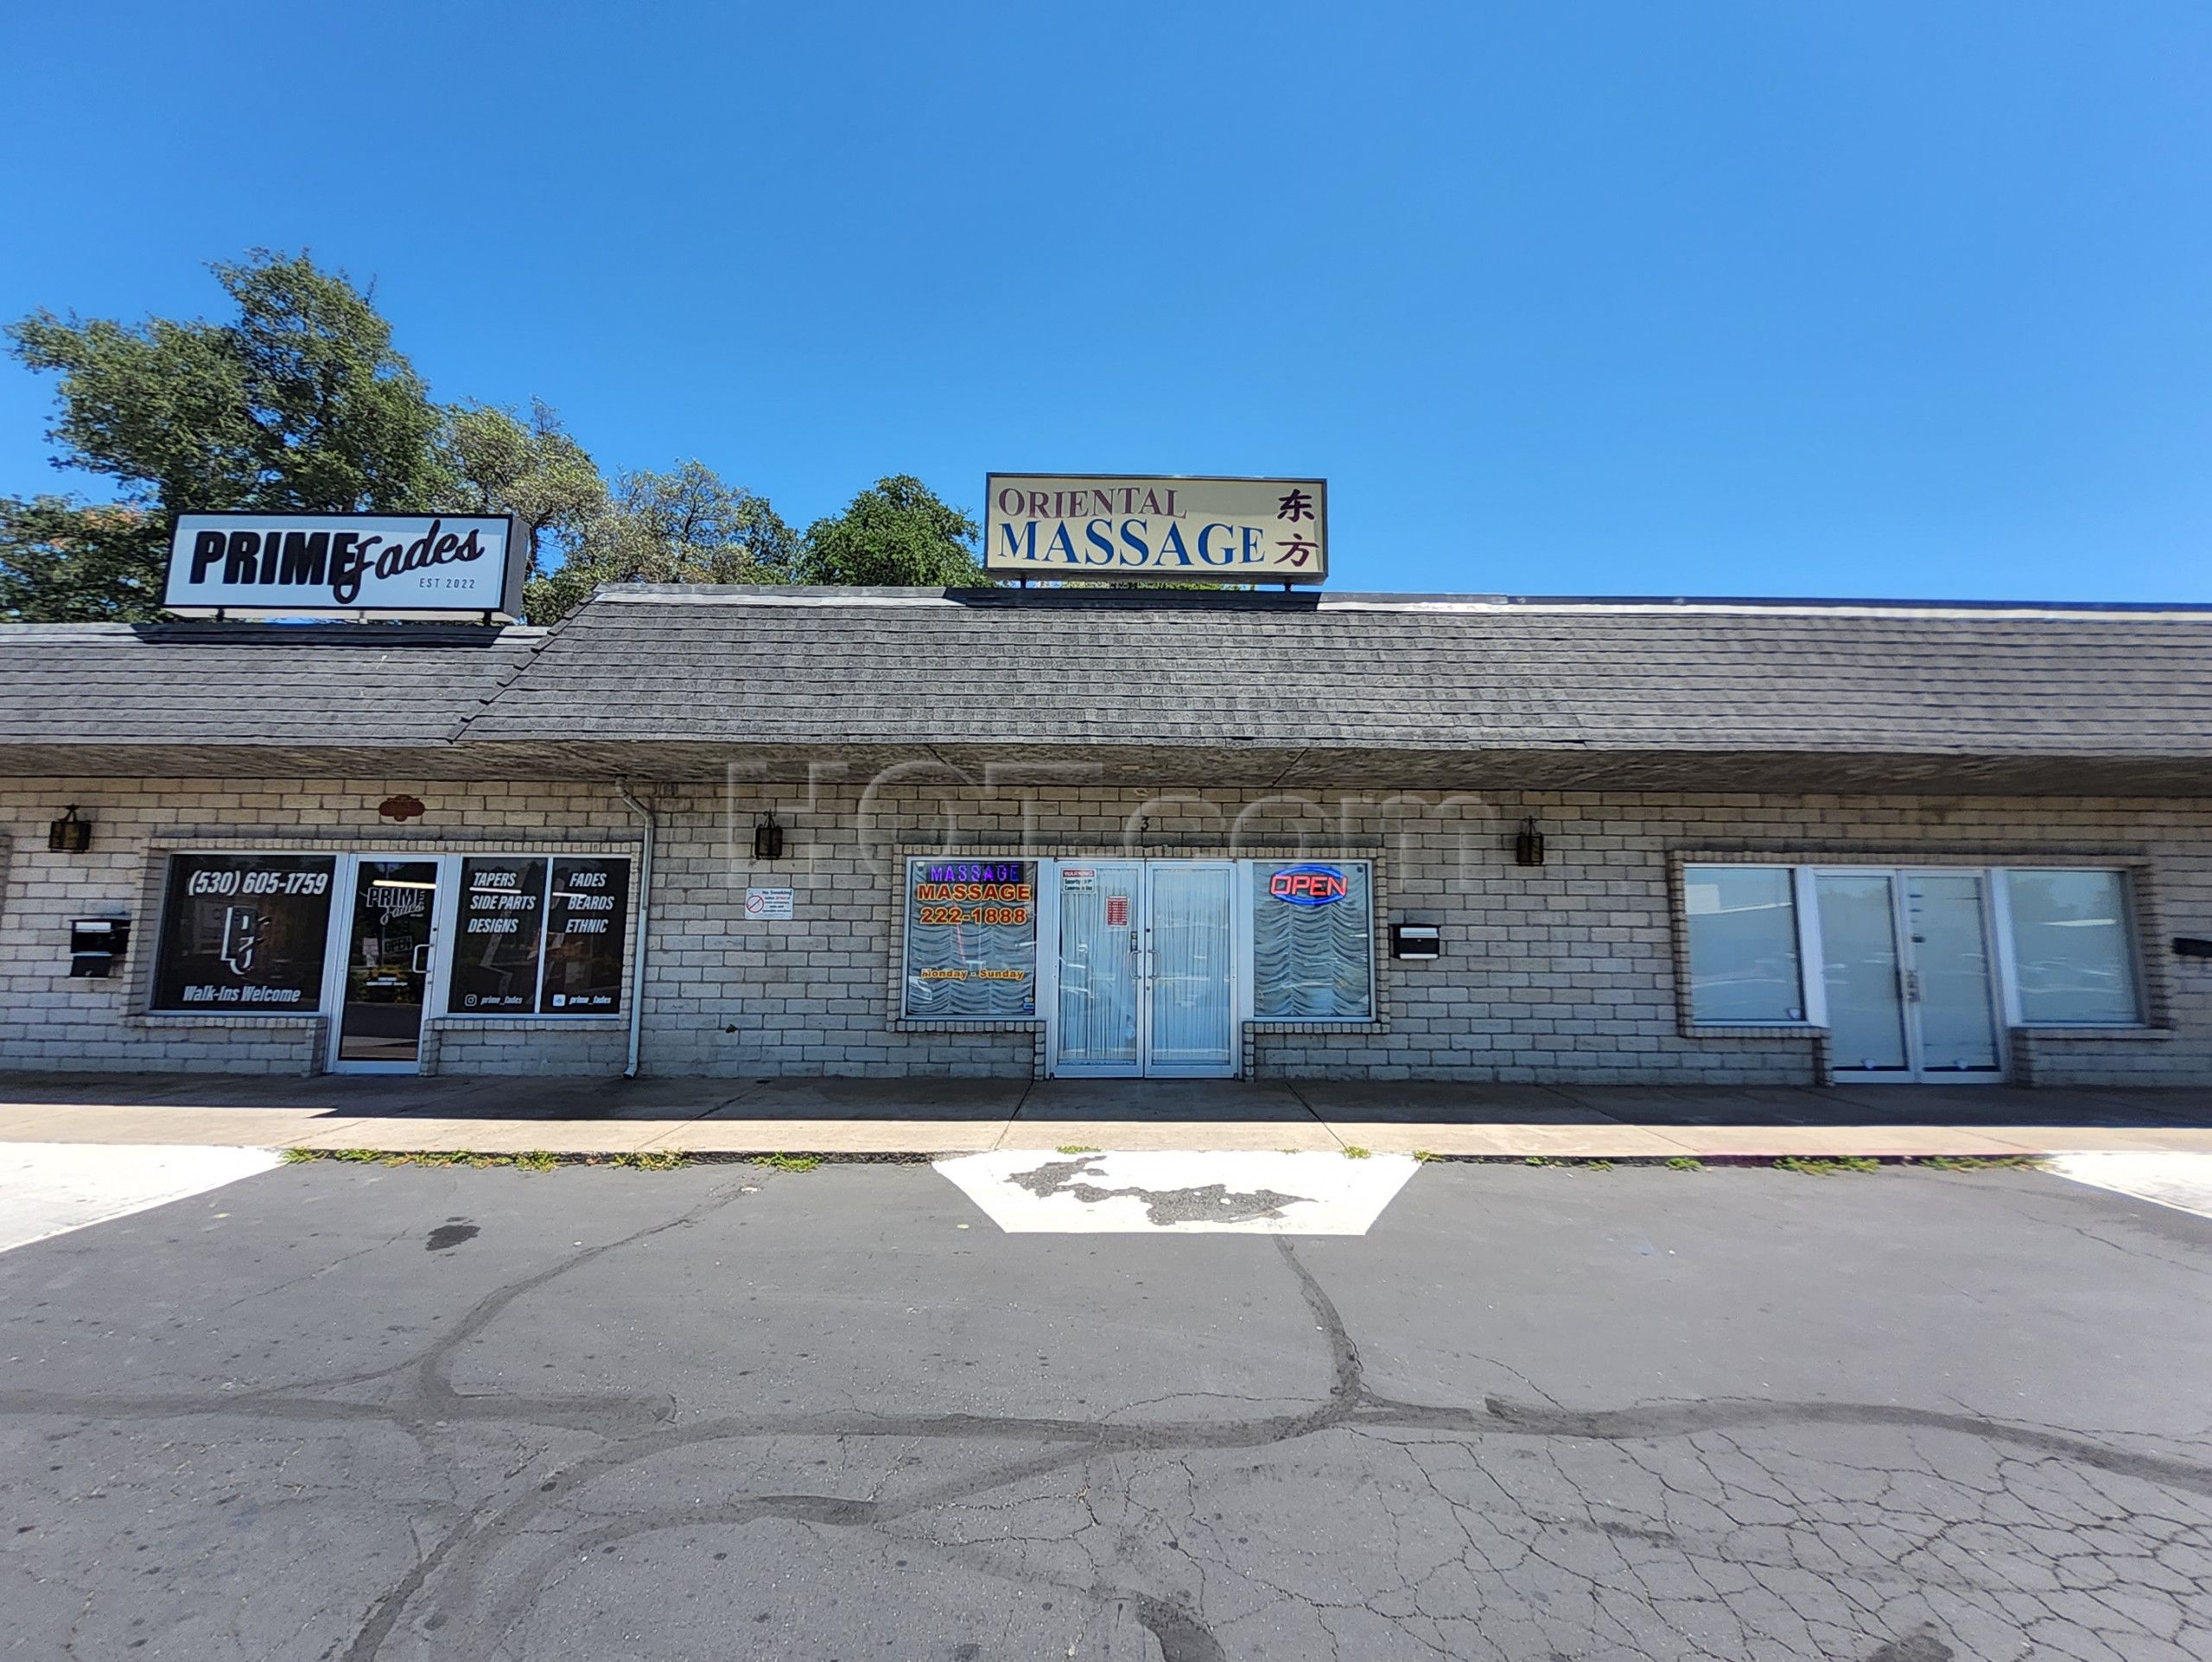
x: 65, y: 562
x: 501, y: 464
x: 299, y: 402
x: 686, y: 525
x: 896, y: 533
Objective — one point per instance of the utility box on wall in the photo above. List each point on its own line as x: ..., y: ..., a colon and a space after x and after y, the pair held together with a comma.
x: 97, y: 945
x: 1416, y: 940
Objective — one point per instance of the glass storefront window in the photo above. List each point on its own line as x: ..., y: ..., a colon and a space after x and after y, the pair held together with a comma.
x: 1313, y: 941
x: 971, y: 939
x: 2073, y: 954
x: 539, y: 934
x: 498, y: 936
x: 584, y: 909
x: 243, y: 931
x: 1743, y: 945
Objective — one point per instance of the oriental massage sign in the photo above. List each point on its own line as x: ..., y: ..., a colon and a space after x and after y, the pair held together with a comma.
x: 1113, y: 528
x: 350, y: 564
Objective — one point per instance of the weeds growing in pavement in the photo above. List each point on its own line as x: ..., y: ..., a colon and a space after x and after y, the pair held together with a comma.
x: 788, y: 1161
x: 528, y: 1160
x: 1981, y: 1163
x: 1076, y: 1148
x: 1685, y: 1163
x: 1353, y: 1152
x: 1812, y: 1168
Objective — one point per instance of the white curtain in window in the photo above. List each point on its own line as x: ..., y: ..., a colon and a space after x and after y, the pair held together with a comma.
x: 1743, y: 938
x: 2072, y: 957
x: 1312, y: 939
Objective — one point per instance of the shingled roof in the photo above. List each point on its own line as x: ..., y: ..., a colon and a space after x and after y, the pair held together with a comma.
x: 318, y: 699
x: 1234, y: 689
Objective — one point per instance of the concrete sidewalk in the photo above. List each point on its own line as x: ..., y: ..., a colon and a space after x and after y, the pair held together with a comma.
x: 940, y: 1116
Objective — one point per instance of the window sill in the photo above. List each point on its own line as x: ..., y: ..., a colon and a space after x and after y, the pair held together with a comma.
x: 2039, y: 1031
x: 241, y: 1018
x: 526, y: 1023
x: 1753, y: 1030
x: 966, y: 1023
x: 1312, y: 1024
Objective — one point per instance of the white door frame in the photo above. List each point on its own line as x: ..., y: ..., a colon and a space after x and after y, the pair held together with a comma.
x: 1916, y: 1070
x: 1048, y: 1000
x: 1148, y: 1064
x: 1049, y: 955
x: 338, y: 951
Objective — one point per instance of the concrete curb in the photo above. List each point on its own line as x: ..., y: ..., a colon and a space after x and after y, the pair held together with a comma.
x: 278, y: 1129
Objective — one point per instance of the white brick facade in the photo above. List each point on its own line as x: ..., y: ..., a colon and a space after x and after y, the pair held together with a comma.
x: 1568, y: 972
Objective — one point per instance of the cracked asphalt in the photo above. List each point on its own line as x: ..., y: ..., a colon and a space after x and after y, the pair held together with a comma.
x: 355, y: 1412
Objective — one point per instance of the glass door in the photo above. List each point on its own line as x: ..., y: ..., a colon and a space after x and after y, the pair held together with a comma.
x: 388, y: 964
x: 1864, y: 975
x: 1949, y: 990
x: 1102, y: 950
x: 1905, y: 964
x: 1191, y: 1027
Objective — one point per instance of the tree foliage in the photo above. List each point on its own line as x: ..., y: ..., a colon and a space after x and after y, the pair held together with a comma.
x: 501, y: 464
x: 686, y: 525
x: 896, y: 533
x: 299, y: 402
x: 64, y: 561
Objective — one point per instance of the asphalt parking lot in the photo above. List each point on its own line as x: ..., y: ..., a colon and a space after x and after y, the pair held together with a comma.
x: 353, y: 1411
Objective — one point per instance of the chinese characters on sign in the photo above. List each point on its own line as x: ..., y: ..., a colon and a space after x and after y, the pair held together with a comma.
x: 1109, y: 527
x: 971, y: 937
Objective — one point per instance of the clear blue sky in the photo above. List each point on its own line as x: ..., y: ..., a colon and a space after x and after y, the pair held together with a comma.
x: 1762, y: 298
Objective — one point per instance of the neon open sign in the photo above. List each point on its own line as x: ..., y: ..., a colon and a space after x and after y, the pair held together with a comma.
x: 1309, y: 885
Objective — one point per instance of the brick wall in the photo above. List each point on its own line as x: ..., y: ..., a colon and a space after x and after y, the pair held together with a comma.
x: 1565, y: 972
x: 50, y: 1021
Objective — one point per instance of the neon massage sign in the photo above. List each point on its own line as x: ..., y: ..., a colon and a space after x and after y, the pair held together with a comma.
x: 1309, y: 885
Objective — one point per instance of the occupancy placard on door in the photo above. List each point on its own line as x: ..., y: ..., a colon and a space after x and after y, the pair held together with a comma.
x: 1117, y: 911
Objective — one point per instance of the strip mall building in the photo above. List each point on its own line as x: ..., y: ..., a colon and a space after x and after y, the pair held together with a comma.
x: 754, y: 831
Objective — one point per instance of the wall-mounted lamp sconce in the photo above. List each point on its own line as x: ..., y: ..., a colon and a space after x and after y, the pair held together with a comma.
x: 69, y: 834
x: 767, y: 838
x: 1529, y: 845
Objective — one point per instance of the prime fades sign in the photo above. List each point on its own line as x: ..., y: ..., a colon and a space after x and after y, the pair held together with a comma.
x: 1109, y: 526
x: 320, y: 565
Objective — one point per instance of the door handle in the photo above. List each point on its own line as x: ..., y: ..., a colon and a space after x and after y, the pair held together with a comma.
x: 420, y: 964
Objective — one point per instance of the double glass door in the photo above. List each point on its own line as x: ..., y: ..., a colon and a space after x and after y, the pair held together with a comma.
x: 389, y: 946
x: 1146, y: 969
x: 1905, y: 964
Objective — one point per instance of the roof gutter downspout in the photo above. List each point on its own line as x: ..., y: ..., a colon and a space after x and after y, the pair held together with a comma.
x: 644, y: 919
